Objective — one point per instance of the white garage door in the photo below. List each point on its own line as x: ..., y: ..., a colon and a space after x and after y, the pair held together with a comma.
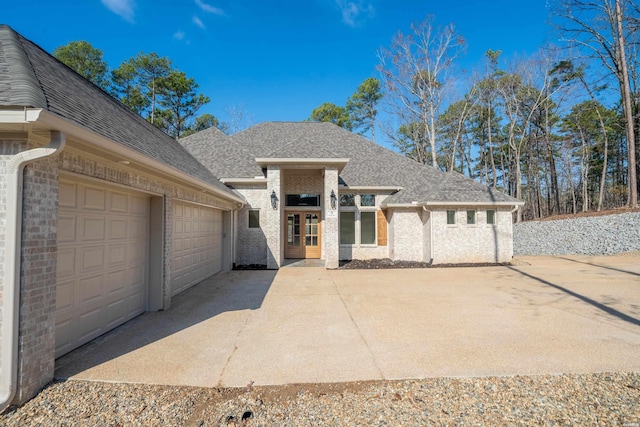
x: 197, y: 245
x: 102, y: 260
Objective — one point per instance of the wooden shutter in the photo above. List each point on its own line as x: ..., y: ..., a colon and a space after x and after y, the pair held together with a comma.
x: 382, y: 228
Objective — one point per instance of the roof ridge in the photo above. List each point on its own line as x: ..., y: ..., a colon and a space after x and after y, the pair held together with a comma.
x: 24, y: 87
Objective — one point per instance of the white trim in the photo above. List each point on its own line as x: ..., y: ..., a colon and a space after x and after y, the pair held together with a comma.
x: 302, y: 162
x: 371, y: 187
x: 243, y: 180
x: 56, y: 122
x: 448, y: 204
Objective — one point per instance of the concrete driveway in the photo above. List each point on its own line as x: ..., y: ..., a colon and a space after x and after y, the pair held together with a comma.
x: 300, y: 325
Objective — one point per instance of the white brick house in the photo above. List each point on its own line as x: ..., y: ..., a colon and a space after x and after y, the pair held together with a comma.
x: 104, y: 217
x: 338, y: 196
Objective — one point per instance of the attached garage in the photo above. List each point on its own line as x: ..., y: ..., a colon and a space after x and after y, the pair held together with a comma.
x: 197, y: 244
x: 103, y: 254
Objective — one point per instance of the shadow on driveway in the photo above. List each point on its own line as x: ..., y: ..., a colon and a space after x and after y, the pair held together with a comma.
x: 596, y: 304
x: 222, y: 293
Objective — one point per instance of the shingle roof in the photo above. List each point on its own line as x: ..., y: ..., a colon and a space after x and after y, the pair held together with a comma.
x: 30, y: 77
x: 369, y: 163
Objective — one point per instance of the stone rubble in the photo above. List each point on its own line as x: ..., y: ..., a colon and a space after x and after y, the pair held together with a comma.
x: 594, y: 235
x: 576, y: 399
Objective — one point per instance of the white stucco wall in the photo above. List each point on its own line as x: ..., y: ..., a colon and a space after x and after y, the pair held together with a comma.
x: 463, y: 243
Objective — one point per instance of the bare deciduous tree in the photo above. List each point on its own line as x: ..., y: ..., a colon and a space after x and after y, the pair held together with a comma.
x: 602, y: 30
x: 415, y: 72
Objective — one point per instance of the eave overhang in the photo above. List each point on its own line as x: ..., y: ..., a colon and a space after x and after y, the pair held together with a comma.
x: 53, y: 121
x: 302, y: 162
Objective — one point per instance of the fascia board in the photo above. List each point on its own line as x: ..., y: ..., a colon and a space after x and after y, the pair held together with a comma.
x: 59, y: 123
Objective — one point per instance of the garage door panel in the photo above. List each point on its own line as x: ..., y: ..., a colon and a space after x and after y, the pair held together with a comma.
x: 91, y: 289
x: 102, y: 261
x: 94, y: 198
x: 116, y: 281
x: 67, y: 195
x: 64, y: 295
x: 66, y: 228
x: 91, y: 259
x: 118, y: 202
x: 86, y: 324
x: 93, y: 228
x: 117, y: 255
x: 117, y: 229
x: 136, y: 252
x: 66, y: 263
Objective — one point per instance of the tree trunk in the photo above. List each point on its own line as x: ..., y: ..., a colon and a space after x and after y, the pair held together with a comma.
x: 628, y: 111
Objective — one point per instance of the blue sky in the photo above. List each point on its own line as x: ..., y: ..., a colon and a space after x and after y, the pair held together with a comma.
x: 278, y: 59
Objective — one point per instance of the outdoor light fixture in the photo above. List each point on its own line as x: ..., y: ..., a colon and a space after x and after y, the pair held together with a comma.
x: 274, y: 199
x: 333, y: 200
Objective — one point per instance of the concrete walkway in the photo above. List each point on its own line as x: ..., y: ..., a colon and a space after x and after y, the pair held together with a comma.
x: 301, y: 325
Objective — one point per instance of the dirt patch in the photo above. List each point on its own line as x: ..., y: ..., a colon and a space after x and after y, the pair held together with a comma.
x: 250, y: 267
x: 587, y: 214
x: 386, y: 263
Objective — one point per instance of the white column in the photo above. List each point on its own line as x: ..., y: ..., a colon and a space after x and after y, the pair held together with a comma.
x: 273, y: 229
x: 330, y: 224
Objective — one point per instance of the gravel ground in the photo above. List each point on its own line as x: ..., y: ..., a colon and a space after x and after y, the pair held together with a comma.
x: 595, y: 235
x: 587, y: 399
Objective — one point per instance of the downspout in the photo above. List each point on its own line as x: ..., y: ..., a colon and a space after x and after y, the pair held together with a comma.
x: 515, y: 208
x: 11, y: 287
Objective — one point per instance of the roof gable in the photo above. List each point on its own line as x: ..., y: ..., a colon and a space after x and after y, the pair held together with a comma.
x: 369, y: 164
x: 44, y: 82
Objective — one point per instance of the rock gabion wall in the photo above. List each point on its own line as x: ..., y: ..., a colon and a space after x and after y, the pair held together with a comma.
x: 597, y: 235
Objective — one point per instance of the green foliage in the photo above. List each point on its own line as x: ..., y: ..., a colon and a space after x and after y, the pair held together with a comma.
x: 360, y: 111
x: 329, y: 112
x: 362, y: 106
x: 85, y: 60
x: 180, y: 100
x: 203, y: 122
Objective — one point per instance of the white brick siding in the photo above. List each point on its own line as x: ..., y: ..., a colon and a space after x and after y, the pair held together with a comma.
x: 463, y: 243
x: 251, y: 245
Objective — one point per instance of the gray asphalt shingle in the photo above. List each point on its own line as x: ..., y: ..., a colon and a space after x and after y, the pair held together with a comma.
x: 30, y: 77
x: 369, y: 163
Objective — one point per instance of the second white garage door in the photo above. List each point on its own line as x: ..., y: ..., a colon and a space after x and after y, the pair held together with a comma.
x: 197, y: 244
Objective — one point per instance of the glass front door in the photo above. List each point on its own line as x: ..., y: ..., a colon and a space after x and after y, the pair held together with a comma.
x: 303, y: 235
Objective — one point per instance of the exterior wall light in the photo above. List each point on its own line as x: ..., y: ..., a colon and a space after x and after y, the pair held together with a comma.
x: 274, y: 199
x: 333, y: 200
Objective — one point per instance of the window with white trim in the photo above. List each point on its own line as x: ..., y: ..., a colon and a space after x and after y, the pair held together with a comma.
x: 451, y: 217
x: 491, y: 217
x: 254, y: 218
x: 471, y: 217
x: 347, y: 228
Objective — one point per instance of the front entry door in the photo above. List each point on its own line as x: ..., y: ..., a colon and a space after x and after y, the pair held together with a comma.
x: 303, y: 235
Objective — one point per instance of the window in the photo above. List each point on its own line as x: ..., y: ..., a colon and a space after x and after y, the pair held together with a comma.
x: 368, y: 228
x: 471, y: 217
x: 347, y: 228
x: 254, y: 218
x: 491, y: 217
x: 347, y: 200
x: 303, y: 199
x: 367, y: 200
x: 451, y: 217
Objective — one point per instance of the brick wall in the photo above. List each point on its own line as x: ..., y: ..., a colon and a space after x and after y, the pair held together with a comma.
x: 252, y: 243
x: 38, y: 271
x: 408, y: 234
x: 477, y: 243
